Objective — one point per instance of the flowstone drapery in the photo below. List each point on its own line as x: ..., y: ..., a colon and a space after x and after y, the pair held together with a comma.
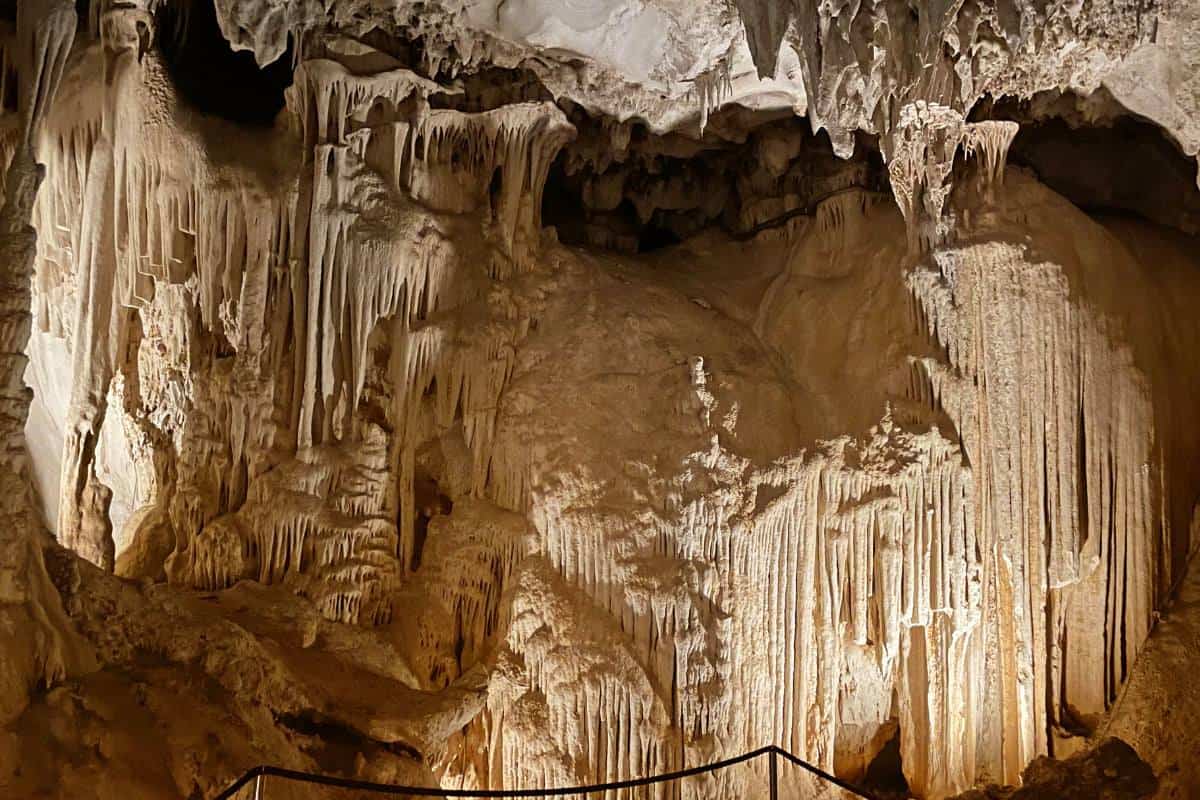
x: 846, y: 434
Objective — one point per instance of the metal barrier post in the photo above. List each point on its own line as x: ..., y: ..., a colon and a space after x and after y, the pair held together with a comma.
x: 774, y: 774
x: 258, y: 786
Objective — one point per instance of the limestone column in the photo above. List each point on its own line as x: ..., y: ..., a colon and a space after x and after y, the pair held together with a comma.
x: 33, y: 627
x: 125, y: 32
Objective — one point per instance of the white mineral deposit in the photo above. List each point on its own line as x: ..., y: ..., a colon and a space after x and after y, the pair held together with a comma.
x: 520, y: 394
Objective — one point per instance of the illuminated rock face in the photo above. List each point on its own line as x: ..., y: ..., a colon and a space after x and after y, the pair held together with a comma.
x: 525, y: 395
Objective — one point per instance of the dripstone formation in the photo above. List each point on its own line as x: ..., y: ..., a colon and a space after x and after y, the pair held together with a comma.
x: 534, y: 393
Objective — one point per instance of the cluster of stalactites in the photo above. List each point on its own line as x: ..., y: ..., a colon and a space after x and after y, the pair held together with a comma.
x: 229, y: 240
x: 570, y: 700
x: 364, y: 161
x: 866, y: 556
x: 466, y: 375
x: 352, y: 283
x: 363, y: 128
x: 133, y: 211
x: 711, y: 87
x: 839, y: 214
x: 920, y: 154
x: 217, y: 265
x: 421, y: 166
x: 467, y: 561
x: 922, y: 147
x: 172, y: 231
x: 372, y: 255
x: 449, y: 160
x: 990, y: 140
x: 881, y: 530
x: 56, y: 217
x: 501, y: 157
x: 329, y: 101
x: 1058, y: 422
x: 317, y: 524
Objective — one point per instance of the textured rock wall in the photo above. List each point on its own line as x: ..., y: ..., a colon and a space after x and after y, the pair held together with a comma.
x: 392, y: 465
x: 35, y: 638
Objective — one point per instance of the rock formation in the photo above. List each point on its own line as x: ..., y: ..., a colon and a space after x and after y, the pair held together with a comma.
x: 535, y: 393
x: 1111, y: 770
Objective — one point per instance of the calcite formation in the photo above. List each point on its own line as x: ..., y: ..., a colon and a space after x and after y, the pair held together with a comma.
x: 536, y: 393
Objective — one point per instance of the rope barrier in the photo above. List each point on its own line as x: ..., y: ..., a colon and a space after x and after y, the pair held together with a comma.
x: 260, y: 772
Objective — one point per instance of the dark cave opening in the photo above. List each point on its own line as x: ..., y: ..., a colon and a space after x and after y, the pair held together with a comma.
x: 8, y: 21
x: 334, y: 746
x: 562, y: 203
x: 428, y: 502
x: 211, y: 76
x: 634, y: 191
x: 486, y: 89
x: 655, y: 237
x: 1101, y: 158
x: 885, y: 774
x: 616, y: 229
x: 495, y: 187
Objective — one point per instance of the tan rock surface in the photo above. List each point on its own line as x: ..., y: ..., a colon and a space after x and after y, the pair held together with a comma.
x: 522, y: 394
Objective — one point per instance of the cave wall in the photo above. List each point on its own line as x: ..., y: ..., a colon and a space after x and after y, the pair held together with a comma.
x: 851, y: 454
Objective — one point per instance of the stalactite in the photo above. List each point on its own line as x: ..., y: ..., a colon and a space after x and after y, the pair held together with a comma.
x: 920, y: 154
x: 711, y: 87
x: 289, y: 349
x: 249, y: 260
x: 991, y: 140
x: 1070, y: 511
x: 98, y: 333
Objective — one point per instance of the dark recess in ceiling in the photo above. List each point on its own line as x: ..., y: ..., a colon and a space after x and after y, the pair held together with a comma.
x: 213, y: 78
